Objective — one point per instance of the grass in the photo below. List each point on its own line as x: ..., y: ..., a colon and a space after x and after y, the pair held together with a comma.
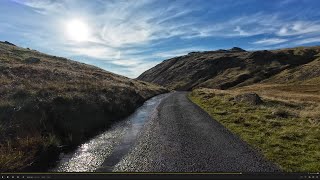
x: 275, y: 128
x: 307, y: 97
x: 20, y: 152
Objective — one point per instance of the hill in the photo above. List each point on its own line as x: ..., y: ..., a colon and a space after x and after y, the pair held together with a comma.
x: 223, y: 69
x: 49, y: 102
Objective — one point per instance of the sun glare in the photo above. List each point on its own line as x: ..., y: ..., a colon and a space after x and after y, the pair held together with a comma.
x: 77, y: 30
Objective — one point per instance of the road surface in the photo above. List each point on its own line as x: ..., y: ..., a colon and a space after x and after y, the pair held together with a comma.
x: 180, y: 137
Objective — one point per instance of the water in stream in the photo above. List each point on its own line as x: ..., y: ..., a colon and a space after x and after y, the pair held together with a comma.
x: 104, y: 151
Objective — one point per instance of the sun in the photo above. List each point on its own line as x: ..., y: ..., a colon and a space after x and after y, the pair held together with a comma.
x: 77, y: 30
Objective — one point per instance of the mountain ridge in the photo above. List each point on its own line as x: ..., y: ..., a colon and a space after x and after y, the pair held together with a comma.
x: 223, y: 69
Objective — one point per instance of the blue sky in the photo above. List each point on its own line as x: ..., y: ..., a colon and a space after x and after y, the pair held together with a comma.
x: 129, y: 37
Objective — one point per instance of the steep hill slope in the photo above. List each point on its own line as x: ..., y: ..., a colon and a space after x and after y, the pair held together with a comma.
x: 305, y: 74
x: 224, y: 69
x: 49, y: 101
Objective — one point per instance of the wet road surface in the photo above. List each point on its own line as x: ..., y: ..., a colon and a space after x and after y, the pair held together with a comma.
x: 167, y: 134
x: 108, y: 148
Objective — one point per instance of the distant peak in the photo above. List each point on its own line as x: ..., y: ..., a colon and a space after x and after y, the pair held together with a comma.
x: 237, y: 49
x: 193, y: 52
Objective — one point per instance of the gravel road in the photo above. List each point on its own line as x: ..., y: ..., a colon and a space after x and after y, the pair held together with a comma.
x: 181, y: 137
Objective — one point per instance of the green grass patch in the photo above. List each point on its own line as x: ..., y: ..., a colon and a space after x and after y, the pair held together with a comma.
x: 291, y: 142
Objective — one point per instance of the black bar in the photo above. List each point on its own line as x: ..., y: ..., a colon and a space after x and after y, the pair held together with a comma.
x: 315, y: 176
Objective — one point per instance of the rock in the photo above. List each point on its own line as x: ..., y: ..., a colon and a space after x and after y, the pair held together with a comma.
x: 250, y: 98
x: 32, y: 60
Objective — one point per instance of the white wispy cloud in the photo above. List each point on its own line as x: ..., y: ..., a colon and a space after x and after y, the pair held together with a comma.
x: 44, y: 6
x: 299, y: 28
x: 127, y: 33
x: 96, y: 52
x: 127, y: 62
x: 270, y: 41
x: 307, y: 40
x: 242, y: 26
x: 125, y: 23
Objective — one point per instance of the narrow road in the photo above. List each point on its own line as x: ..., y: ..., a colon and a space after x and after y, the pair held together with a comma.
x: 181, y: 137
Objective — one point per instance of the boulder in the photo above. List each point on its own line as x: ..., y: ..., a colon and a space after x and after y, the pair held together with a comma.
x: 250, y: 98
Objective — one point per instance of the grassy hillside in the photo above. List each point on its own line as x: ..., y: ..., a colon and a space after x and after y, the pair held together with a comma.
x: 224, y: 69
x: 49, y: 102
x: 306, y: 74
x: 285, y: 127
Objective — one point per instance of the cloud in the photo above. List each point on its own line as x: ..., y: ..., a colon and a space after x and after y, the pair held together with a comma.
x: 132, y: 23
x: 95, y: 52
x: 308, y: 40
x: 118, y: 35
x: 270, y: 41
x: 299, y: 28
x: 127, y: 62
x: 240, y: 31
x: 43, y: 6
x: 242, y: 26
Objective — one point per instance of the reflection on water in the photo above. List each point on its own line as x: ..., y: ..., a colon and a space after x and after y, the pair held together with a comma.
x: 106, y: 149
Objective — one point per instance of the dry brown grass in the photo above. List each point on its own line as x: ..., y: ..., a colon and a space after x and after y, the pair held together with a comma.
x: 55, y: 99
x: 305, y: 97
x: 19, y: 152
